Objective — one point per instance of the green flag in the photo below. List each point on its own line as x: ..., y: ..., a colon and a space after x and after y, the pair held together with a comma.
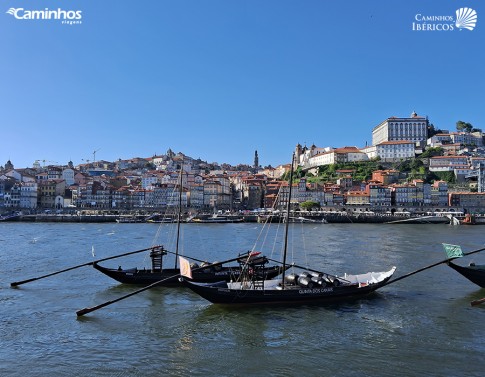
x: 453, y: 251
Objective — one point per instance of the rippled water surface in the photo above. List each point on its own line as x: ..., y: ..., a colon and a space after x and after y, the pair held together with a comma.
x: 423, y: 325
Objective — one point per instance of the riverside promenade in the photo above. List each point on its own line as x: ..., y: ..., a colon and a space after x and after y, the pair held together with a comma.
x: 316, y: 217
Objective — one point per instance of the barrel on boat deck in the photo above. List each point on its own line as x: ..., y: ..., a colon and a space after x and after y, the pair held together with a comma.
x: 305, y: 282
x: 291, y: 279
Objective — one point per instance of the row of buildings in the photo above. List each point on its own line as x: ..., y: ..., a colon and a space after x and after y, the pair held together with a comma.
x: 155, y: 182
x: 59, y: 188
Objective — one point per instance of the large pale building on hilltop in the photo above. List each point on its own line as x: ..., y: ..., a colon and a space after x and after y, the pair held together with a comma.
x: 413, y: 129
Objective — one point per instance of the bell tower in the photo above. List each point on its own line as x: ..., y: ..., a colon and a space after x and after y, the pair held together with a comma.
x: 256, y: 161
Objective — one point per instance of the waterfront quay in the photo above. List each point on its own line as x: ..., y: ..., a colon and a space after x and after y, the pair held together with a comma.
x: 334, y: 216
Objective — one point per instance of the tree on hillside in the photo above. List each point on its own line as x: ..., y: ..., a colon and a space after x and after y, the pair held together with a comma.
x: 463, y: 126
x: 447, y: 176
x: 432, y: 152
x: 298, y: 173
x: 432, y: 130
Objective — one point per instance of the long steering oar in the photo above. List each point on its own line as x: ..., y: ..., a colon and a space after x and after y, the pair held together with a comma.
x: 92, y: 309
x: 16, y: 283
x: 433, y: 265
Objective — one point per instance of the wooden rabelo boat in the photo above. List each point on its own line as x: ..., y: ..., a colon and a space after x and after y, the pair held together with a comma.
x: 303, y: 289
x: 205, y: 272
x: 474, y: 273
x: 307, y: 287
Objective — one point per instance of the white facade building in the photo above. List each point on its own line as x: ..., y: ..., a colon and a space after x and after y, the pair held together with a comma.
x: 68, y: 176
x: 466, y: 138
x: 28, y: 195
x: 148, y: 181
x: 448, y: 163
x: 336, y: 156
x: 439, y: 139
x: 395, y: 150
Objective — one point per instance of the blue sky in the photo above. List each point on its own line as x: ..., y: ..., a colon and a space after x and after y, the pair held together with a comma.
x: 219, y: 79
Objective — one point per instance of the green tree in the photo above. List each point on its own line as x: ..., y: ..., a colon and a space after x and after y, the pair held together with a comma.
x: 309, y: 205
x: 432, y: 130
x: 432, y: 152
x: 463, y: 126
x: 447, y: 176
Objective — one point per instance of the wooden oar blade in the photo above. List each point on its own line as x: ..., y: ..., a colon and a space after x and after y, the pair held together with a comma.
x: 17, y: 283
x: 478, y: 302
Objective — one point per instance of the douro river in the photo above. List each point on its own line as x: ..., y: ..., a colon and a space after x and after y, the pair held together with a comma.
x: 420, y: 326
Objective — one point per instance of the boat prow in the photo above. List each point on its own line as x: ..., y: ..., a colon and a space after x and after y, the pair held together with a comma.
x: 474, y: 273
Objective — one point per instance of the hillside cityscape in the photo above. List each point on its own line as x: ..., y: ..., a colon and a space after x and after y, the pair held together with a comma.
x: 411, y: 166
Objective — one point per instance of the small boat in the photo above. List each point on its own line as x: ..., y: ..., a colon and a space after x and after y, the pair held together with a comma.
x: 159, y: 218
x: 468, y: 220
x: 217, y: 219
x: 131, y: 219
x: 305, y: 288
x: 205, y: 272
x: 302, y: 219
x: 474, y: 273
x: 11, y: 216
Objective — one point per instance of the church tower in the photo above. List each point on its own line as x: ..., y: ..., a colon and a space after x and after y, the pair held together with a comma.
x: 256, y: 161
x: 298, y: 153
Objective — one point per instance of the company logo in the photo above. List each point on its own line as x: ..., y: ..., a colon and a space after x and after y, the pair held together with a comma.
x: 68, y: 17
x: 466, y: 18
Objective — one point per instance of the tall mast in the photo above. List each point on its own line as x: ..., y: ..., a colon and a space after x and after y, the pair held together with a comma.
x: 288, y: 205
x: 178, y: 218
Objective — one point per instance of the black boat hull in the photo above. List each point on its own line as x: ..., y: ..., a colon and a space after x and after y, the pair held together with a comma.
x: 476, y: 274
x: 219, y: 293
x: 170, y: 276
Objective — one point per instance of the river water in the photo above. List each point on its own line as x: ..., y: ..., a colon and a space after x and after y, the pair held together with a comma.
x: 422, y: 325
